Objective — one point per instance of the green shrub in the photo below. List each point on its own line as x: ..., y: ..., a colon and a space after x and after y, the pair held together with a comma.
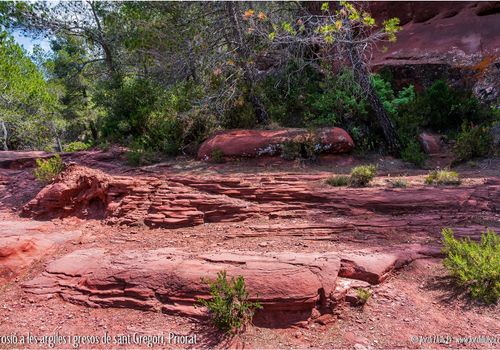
x: 76, y: 146
x: 140, y: 156
x: 337, y: 181
x: 472, y: 142
x: 228, y: 306
x: 443, y: 177
x: 217, y: 156
x: 362, y: 175
x: 445, y: 108
x: 363, y: 295
x: 306, y: 148
x: 474, y: 265
x: 398, y: 183
x: 412, y: 153
x: 47, y: 169
x: 291, y: 150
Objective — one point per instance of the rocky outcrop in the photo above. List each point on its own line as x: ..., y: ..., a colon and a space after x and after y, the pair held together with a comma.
x: 288, y: 285
x: 431, y: 143
x: 253, y: 143
x: 457, y: 41
x: 180, y: 201
x: 88, y: 193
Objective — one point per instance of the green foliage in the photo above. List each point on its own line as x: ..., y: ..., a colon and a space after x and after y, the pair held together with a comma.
x: 413, y: 153
x: 229, y: 306
x: 139, y: 154
x: 363, y: 295
x: 398, y: 183
x: 474, y: 265
x: 28, y: 104
x: 217, y: 156
x: 443, y: 177
x: 442, y: 108
x: 362, y: 175
x: 472, y: 142
x: 76, y: 146
x: 47, y: 169
x: 338, y: 181
x: 301, y: 148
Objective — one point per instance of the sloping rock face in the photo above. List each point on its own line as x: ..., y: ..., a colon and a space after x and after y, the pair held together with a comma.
x: 288, y: 285
x: 253, y: 143
x: 457, y: 41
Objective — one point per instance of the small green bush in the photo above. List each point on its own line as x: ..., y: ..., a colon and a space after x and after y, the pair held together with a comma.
x: 217, y: 156
x: 398, y: 183
x: 228, y: 306
x: 339, y: 180
x: 306, y: 148
x: 47, y: 170
x: 76, y: 146
x: 362, y: 175
x: 472, y: 142
x: 413, y: 154
x: 139, y: 157
x: 443, y: 177
x: 290, y: 150
x: 474, y: 265
x: 363, y: 295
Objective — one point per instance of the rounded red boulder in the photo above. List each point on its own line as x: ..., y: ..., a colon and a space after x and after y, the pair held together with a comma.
x: 254, y: 143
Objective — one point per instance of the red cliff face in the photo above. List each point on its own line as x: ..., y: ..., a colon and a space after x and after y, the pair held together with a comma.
x: 458, y: 41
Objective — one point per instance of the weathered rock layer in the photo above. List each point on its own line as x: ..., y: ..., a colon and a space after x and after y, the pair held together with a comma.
x: 288, y: 285
x: 182, y: 201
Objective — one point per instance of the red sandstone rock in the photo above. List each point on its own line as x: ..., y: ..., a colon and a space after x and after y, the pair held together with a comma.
x: 289, y: 285
x: 170, y: 280
x: 175, y: 201
x: 22, y: 242
x: 430, y: 143
x: 457, y: 41
x: 253, y: 143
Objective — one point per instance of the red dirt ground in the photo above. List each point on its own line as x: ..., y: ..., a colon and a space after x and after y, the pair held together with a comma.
x: 415, y: 302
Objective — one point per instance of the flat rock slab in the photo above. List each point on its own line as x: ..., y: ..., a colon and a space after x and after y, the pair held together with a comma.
x: 23, y: 242
x: 169, y: 280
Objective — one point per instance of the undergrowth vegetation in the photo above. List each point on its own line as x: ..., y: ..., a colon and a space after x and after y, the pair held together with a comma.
x: 164, y: 105
x: 47, y: 169
x: 474, y: 265
x: 338, y: 180
x: 398, y: 183
x: 363, y: 295
x: 362, y: 175
x: 472, y: 142
x: 443, y: 177
x: 229, y: 305
x: 77, y: 146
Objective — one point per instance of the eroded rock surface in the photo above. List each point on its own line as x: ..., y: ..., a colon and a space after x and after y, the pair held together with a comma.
x: 169, y: 280
x: 456, y: 41
x: 23, y: 242
x: 182, y: 201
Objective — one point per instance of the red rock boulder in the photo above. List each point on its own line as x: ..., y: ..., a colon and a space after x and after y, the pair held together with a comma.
x: 431, y: 143
x: 254, y: 143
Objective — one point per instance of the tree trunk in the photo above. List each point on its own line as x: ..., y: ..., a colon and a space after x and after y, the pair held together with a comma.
x: 362, y: 76
x: 4, y: 136
x: 390, y: 134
